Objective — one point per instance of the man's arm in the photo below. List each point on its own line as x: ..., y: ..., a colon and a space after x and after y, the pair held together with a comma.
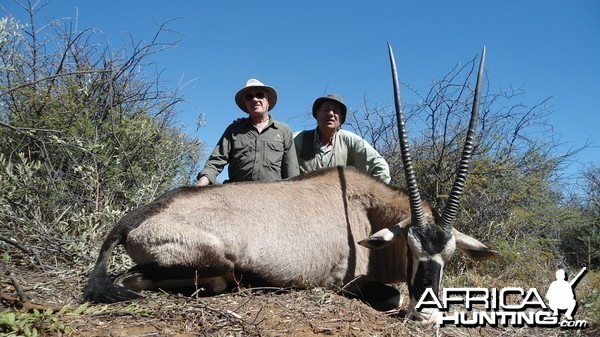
x: 364, y: 157
x: 217, y: 160
x: 289, y: 165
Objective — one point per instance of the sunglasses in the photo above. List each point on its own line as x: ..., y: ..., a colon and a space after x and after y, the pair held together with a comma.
x: 259, y: 95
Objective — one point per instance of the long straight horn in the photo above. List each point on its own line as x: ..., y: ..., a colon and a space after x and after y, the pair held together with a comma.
x: 451, y: 210
x: 416, y: 208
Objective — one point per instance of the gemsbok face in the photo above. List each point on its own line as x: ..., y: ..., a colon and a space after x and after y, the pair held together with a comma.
x: 431, y: 243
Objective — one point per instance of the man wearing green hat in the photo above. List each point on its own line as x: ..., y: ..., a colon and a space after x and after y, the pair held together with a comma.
x: 328, y: 145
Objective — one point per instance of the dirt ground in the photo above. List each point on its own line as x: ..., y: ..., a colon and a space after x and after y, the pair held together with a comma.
x: 48, y: 301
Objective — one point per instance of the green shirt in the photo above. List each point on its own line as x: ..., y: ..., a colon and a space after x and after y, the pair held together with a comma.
x: 265, y: 156
x: 347, y: 149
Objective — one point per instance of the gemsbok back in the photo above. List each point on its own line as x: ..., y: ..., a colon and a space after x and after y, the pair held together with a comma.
x: 300, y: 232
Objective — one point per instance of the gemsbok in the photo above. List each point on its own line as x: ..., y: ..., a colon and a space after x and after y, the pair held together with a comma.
x: 300, y: 232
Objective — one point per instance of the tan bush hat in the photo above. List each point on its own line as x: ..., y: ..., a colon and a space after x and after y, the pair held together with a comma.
x: 254, y: 84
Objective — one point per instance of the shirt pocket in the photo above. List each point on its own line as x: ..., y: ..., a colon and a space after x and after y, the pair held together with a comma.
x: 243, y: 151
x: 274, y: 154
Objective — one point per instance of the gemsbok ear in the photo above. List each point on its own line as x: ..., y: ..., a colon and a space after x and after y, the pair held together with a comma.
x: 474, y: 249
x: 384, y: 237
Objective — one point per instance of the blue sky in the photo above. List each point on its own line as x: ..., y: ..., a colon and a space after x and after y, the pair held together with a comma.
x: 307, y: 48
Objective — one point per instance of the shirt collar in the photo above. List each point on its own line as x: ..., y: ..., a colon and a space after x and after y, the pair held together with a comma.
x: 272, y: 122
x: 318, y: 138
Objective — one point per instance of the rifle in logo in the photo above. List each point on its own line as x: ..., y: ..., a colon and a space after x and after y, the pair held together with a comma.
x: 561, y: 293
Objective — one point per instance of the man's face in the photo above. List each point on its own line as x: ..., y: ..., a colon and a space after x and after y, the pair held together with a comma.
x: 257, y: 102
x: 329, y: 115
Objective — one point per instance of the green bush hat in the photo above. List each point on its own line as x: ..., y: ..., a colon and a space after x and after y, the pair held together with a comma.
x: 334, y: 98
x: 254, y: 84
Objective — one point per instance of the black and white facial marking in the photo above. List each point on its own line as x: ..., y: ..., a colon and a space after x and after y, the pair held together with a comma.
x: 430, y: 247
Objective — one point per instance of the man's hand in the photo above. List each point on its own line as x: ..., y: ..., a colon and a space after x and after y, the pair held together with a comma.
x: 203, y: 181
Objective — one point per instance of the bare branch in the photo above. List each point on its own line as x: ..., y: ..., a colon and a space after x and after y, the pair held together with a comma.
x: 52, y: 77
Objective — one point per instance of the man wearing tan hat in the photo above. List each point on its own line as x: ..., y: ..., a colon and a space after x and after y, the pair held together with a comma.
x: 328, y: 145
x: 257, y: 148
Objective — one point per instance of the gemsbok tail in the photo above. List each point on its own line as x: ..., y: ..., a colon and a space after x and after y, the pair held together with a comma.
x: 100, y: 287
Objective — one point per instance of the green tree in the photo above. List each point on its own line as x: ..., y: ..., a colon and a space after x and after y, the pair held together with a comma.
x: 87, y: 131
x: 579, y: 231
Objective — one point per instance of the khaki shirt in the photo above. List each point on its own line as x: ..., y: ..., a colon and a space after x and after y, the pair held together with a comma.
x: 347, y: 149
x: 253, y: 156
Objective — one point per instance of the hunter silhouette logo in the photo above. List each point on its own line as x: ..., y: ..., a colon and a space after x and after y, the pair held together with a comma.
x: 561, y: 294
x: 510, y: 306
